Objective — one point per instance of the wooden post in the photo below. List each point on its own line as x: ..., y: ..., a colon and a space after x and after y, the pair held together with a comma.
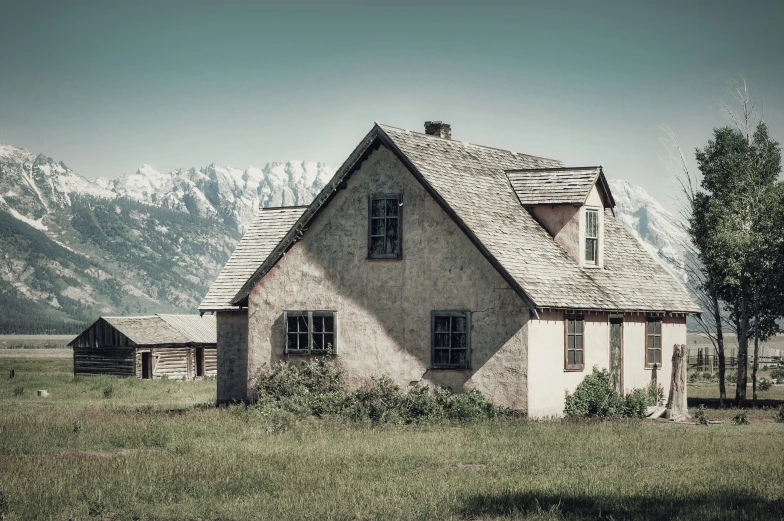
x: 677, y: 407
x: 12, y: 374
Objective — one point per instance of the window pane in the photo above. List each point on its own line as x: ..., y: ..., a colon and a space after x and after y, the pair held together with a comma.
x: 318, y: 341
x: 590, y: 250
x: 650, y: 341
x: 578, y: 326
x: 658, y: 327
x: 329, y: 324
x: 657, y: 342
x: 292, y: 341
x: 442, y: 340
x: 318, y: 324
x: 377, y: 227
x: 377, y: 208
x: 377, y: 245
x: 442, y: 324
x: 591, y: 223
x: 657, y: 356
x: 650, y: 356
x: 458, y: 357
x: 578, y: 358
x: 570, y: 342
x: 392, y: 229
x: 392, y: 206
x: 570, y: 326
x: 458, y: 340
x: 329, y: 341
x: 578, y: 342
x: 441, y: 356
x: 292, y: 325
x: 302, y: 324
x: 570, y: 357
x: 303, y: 341
x: 459, y: 324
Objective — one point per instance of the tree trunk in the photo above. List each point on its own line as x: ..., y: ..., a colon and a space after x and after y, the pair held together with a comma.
x: 743, y: 354
x: 676, y: 401
x: 756, y: 361
x: 720, y: 349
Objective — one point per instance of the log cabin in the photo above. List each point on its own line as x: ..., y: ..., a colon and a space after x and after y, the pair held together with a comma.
x: 147, y: 347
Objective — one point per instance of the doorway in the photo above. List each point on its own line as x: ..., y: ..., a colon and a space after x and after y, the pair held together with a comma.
x: 616, y: 353
x: 146, y: 365
x: 200, y: 361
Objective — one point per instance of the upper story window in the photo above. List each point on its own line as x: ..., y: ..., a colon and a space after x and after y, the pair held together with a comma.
x: 591, y: 236
x: 574, y: 346
x: 450, y: 339
x: 653, y: 345
x: 385, y: 217
x: 310, y: 332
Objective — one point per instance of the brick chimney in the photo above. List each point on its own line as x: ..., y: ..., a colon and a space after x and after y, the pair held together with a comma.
x: 438, y: 129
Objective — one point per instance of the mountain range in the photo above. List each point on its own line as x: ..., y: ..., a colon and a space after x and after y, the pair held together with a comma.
x: 73, y: 249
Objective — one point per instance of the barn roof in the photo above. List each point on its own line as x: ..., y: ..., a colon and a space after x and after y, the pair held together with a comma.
x: 154, y: 330
x: 266, y: 231
x: 471, y: 184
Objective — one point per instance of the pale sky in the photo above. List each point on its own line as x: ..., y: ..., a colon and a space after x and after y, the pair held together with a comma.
x: 108, y: 86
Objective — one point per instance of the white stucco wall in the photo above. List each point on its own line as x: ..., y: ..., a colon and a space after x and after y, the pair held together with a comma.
x: 547, y: 379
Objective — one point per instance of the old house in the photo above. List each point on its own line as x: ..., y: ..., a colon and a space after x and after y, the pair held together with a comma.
x: 450, y: 264
x: 174, y: 346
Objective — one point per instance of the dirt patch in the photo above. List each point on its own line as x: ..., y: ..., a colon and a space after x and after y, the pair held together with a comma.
x: 471, y: 466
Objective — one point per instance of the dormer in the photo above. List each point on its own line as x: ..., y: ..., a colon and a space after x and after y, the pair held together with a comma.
x: 569, y: 203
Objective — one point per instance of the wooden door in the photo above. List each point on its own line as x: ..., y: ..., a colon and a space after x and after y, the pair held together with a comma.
x: 616, y: 353
x: 146, y: 365
x: 199, y: 361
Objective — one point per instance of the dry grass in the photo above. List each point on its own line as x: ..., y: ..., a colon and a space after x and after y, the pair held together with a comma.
x: 152, y: 451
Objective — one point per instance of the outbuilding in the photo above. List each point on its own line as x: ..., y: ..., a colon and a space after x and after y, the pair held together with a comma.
x: 155, y: 346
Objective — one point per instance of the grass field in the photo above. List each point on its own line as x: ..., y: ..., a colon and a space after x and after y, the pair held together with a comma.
x: 110, y: 448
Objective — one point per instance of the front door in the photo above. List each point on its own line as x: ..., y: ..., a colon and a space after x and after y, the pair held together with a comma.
x: 616, y: 353
x: 146, y: 365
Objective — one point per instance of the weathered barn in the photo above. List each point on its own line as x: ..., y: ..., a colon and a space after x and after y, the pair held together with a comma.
x: 454, y: 265
x: 174, y: 346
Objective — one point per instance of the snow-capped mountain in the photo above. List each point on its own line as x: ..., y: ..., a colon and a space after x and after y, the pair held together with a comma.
x: 659, y: 230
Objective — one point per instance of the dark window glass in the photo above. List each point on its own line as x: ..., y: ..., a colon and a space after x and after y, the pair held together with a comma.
x: 451, y: 339
x: 310, y: 332
x: 384, y: 227
x: 574, y: 344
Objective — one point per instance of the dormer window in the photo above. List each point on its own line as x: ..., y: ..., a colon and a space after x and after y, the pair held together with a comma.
x: 591, y: 236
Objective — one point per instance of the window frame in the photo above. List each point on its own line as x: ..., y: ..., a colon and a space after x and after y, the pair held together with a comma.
x: 310, y: 351
x: 648, y: 334
x: 398, y: 254
x: 575, y: 318
x: 586, y: 238
x: 450, y: 313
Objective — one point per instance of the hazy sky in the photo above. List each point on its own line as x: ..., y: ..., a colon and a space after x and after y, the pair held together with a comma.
x: 108, y: 86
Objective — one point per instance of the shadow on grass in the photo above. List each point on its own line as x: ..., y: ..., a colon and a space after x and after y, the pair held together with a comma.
x: 727, y: 505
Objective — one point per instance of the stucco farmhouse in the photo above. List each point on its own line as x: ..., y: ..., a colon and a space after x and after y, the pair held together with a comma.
x: 445, y: 263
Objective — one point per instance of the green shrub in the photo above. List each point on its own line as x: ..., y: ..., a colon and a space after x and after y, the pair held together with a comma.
x: 741, y: 418
x: 317, y: 388
x: 595, y: 397
x: 700, y: 415
x: 780, y: 415
x: 18, y: 391
x: 707, y: 376
x: 764, y: 384
x: 777, y: 375
x: 108, y: 391
x: 731, y: 377
x: 693, y: 377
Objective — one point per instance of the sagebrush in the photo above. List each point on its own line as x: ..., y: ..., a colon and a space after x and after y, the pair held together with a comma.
x: 595, y: 397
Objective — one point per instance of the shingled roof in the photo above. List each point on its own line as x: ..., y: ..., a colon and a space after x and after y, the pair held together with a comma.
x: 266, y: 231
x: 152, y: 330
x: 470, y: 183
x: 558, y: 185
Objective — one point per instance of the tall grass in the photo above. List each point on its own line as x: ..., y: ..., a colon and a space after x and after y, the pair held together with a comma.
x: 157, y: 450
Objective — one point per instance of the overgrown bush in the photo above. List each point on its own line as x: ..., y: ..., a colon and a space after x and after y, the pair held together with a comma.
x: 693, y: 377
x: 764, y: 384
x: 700, y: 415
x: 317, y: 388
x: 731, y: 377
x: 741, y: 418
x: 595, y: 397
x: 780, y: 415
x: 108, y: 391
x: 777, y: 374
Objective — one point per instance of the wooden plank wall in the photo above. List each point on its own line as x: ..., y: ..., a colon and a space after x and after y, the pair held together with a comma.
x: 171, y: 362
x: 210, y: 362
x: 117, y: 360
x: 101, y: 334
